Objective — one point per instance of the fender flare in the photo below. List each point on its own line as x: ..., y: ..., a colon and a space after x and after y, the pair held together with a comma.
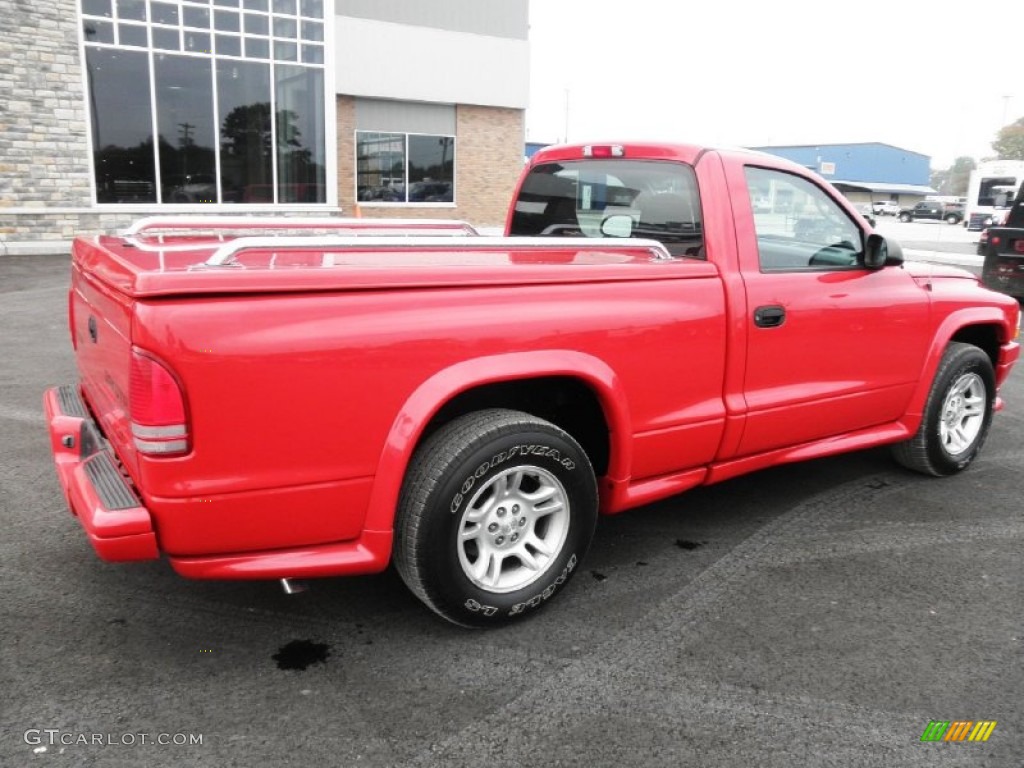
x: 439, y: 389
x: 947, y: 329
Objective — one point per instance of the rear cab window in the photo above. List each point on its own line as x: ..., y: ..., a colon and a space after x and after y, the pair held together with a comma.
x: 650, y: 199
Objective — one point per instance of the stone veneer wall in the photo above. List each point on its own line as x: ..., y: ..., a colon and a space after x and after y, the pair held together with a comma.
x: 488, y: 161
x: 44, y: 149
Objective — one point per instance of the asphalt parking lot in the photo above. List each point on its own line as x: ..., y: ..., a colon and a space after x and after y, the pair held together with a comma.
x: 812, y: 615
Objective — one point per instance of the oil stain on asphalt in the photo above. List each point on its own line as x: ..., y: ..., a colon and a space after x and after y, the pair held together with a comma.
x: 300, y: 654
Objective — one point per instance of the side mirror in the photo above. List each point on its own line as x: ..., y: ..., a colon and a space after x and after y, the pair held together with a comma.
x: 882, y: 253
x: 617, y: 225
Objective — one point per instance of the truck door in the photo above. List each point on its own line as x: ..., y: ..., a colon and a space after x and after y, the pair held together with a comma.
x: 832, y: 346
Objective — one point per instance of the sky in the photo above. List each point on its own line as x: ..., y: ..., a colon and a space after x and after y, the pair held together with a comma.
x: 937, y: 77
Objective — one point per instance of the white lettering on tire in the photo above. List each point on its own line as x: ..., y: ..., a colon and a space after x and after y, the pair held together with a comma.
x: 500, y: 458
x: 536, y: 600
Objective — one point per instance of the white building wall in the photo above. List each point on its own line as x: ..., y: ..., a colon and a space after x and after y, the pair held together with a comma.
x: 384, y: 60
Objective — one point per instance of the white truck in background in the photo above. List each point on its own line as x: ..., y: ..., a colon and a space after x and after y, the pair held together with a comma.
x: 990, y: 192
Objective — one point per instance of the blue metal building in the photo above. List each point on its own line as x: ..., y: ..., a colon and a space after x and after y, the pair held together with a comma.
x: 865, y: 172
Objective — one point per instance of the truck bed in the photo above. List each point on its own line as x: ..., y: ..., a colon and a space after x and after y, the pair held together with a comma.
x: 179, y: 265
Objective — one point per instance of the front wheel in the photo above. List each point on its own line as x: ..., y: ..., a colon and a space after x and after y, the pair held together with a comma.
x: 951, y: 219
x: 495, y: 515
x: 957, y: 415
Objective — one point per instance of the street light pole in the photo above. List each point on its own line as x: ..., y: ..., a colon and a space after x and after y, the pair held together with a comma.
x: 566, y: 136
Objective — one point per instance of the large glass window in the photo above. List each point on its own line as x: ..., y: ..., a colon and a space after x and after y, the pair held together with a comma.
x: 122, y: 127
x: 193, y: 104
x: 246, y: 141
x: 300, y: 134
x: 404, y: 168
x: 184, y: 99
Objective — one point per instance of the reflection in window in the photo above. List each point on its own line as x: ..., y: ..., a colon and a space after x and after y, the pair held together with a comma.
x: 313, y: 8
x: 166, y: 39
x: 197, y: 42
x: 229, y: 45
x: 96, y: 7
x: 98, y: 31
x: 226, y: 21
x: 285, y: 51
x: 243, y: 96
x: 164, y: 13
x: 380, y: 167
x: 185, y: 127
x: 131, y: 9
x: 401, y: 168
x: 798, y: 225
x: 197, y: 17
x: 133, y: 35
x: 122, y: 133
x: 256, y: 24
x: 301, y: 172
x: 431, y: 164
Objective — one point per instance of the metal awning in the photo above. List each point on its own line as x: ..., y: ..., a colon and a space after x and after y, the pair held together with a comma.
x: 884, y: 188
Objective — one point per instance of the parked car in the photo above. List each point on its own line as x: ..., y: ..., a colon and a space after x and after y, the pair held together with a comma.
x: 866, y: 210
x: 885, y: 208
x: 932, y: 210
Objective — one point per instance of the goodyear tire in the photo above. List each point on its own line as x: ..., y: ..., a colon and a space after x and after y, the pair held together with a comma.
x: 957, y: 415
x: 496, y: 512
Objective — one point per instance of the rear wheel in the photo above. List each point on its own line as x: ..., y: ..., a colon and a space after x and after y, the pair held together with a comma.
x: 951, y: 219
x: 904, y: 217
x: 957, y: 415
x: 495, y: 514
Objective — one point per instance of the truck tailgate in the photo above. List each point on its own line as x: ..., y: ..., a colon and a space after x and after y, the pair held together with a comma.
x: 101, y: 332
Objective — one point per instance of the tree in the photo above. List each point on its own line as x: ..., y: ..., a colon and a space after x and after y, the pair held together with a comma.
x: 953, y: 181
x: 1009, y: 143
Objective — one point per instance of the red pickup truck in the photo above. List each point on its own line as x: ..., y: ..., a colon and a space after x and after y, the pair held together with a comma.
x: 259, y: 407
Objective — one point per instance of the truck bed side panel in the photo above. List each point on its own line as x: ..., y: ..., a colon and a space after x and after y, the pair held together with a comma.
x: 301, y: 392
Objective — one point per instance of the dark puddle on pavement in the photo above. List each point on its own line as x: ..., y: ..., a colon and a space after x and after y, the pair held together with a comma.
x: 688, y: 545
x: 300, y: 654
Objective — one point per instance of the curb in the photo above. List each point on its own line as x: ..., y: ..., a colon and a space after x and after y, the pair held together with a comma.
x: 940, y: 257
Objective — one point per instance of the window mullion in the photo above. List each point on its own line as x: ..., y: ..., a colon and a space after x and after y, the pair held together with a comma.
x: 154, y: 126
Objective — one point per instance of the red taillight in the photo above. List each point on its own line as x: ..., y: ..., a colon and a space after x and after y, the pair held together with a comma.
x: 604, y: 150
x: 157, y: 408
x: 994, y: 239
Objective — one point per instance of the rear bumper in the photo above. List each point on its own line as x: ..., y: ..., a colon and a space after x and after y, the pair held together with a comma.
x: 118, y: 525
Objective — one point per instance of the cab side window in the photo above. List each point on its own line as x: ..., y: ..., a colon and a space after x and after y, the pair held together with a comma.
x: 799, y: 226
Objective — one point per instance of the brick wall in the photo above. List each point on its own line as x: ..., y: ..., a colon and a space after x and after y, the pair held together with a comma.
x: 44, y: 150
x: 488, y: 161
x: 489, y: 149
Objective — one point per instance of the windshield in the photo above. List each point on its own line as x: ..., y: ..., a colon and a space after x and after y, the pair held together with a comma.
x: 577, y: 199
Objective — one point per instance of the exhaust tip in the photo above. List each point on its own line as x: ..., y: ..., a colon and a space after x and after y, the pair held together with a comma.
x: 293, y: 586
